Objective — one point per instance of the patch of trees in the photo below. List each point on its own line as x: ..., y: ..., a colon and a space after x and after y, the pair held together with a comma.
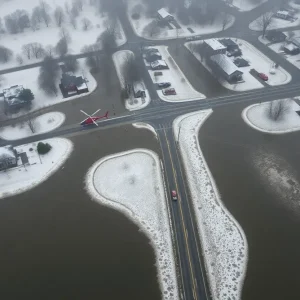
x: 71, y: 63
x: 17, y: 21
x: 48, y: 75
x: 33, y: 50
x: 43, y: 148
x: 277, y: 109
x: 5, y: 54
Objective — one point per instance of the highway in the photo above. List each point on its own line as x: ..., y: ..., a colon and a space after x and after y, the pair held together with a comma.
x: 192, y: 279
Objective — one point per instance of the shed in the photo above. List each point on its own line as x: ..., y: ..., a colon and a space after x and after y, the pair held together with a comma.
x: 213, y: 46
x: 164, y: 15
x: 276, y: 36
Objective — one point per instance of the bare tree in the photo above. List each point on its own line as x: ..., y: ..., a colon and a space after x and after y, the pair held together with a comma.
x: 59, y: 16
x: 64, y: 34
x: 73, y: 22
x: 61, y: 47
x: 31, y: 124
x: 108, y: 41
x: 37, y: 50
x: 5, y: 54
x: 19, y: 59
x: 44, y: 9
x: 78, y: 4
x: 71, y: 63
x: 86, y: 24
x: 226, y: 19
x: 264, y: 22
x: 152, y: 29
x: 74, y: 11
x: 131, y: 70
x: 277, y: 109
x: 27, y: 50
x: 49, y: 50
x: 67, y: 8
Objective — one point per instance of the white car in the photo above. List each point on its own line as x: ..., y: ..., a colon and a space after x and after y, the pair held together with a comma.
x: 159, y: 65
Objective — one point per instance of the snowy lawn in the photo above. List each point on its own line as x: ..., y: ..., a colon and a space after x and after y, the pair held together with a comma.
x: 184, y: 90
x: 256, y: 116
x: 166, y: 33
x: 244, y: 5
x: 278, y: 48
x: 147, y: 126
x: 223, y: 241
x: 49, y: 36
x: 277, y: 23
x: 131, y: 103
x: 20, y: 179
x: 132, y: 182
x: 29, y: 79
x: 41, y: 124
x: 257, y: 61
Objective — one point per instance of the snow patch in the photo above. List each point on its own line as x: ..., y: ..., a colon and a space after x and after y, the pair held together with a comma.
x: 256, y: 116
x: 147, y: 126
x: 132, y: 182
x: 41, y: 167
x: 244, y: 5
x: 41, y: 124
x: 223, y: 241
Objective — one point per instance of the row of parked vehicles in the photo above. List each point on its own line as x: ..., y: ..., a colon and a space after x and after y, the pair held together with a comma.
x: 153, y: 56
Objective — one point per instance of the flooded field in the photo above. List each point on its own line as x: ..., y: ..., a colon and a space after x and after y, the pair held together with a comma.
x: 258, y: 176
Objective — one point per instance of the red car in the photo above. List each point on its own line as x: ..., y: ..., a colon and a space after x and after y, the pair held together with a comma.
x: 169, y: 91
x: 174, y: 195
x: 263, y: 76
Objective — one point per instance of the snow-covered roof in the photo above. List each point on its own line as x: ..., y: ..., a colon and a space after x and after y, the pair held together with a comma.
x: 215, y: 44
x: 291, y: 47
x: 283, y: 12
x: 159, y: 63
x: 163, y: 13
x: 225, y: 63
x: 13, y: 91
x: 6, y: 152
x: 296, y: 40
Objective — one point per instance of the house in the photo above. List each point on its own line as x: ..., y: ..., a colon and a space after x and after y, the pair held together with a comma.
x: 291, y: 49
x: 284, y: 15
x: 12, y: 99
x: 163, y: 15
x: 296, y: 41
x: 229, y: 44
x: 276, y: 36
x: 213, y: 47
x: 224, y: 67
x: 71, y: 85
x: 8, y: 157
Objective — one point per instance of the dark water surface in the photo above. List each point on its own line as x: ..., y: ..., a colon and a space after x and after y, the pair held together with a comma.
x: 55, y: 243
x: 272, y: 230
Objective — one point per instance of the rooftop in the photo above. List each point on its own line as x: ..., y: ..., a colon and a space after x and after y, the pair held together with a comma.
x: 163, y: 13
x: 225, y: 63
x: 215, y: 44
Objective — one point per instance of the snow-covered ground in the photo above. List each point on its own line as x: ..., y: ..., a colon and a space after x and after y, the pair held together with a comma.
x: 20, y: 179
x: 278, y: 48
x: 244, y: 5
x: 132, y: 182
x: 256, y: 116
x: 184, y: 90
x: 166, y: 33
x: 131, y: 103
x: 147, y: 126
x: 49, y: 36
x: 41, y: 124
x: 224, y: 244
x: 257, y: 61
x: 29, y: 79
x: 277, y: 23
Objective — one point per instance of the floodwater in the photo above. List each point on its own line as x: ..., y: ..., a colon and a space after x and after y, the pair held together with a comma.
x: 267, y: 210
x: 55, y: 243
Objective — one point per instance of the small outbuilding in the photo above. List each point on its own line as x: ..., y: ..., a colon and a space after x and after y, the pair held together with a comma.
x: 72, y: 85
x: 163, y: 14
x: 213, y: 47
x: 276, y: 36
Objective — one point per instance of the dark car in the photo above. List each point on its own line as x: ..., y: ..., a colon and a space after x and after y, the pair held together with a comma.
x: 174, y: 195
x: 240, y: 62
x: 169, y: 92
x: 164, y: 85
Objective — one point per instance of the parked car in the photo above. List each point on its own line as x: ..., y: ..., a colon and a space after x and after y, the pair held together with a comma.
x: 164, y: 85
x: 149, y: 51
x: 236, y: 52
x: 263, y: 76
x: 153, y: 56
x: 170, y: 91
x: 159, y: 65
x: 174, y: 195
x: 240, y: 62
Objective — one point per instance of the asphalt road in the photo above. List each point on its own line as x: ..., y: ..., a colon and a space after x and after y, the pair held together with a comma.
x: 188, y: 249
